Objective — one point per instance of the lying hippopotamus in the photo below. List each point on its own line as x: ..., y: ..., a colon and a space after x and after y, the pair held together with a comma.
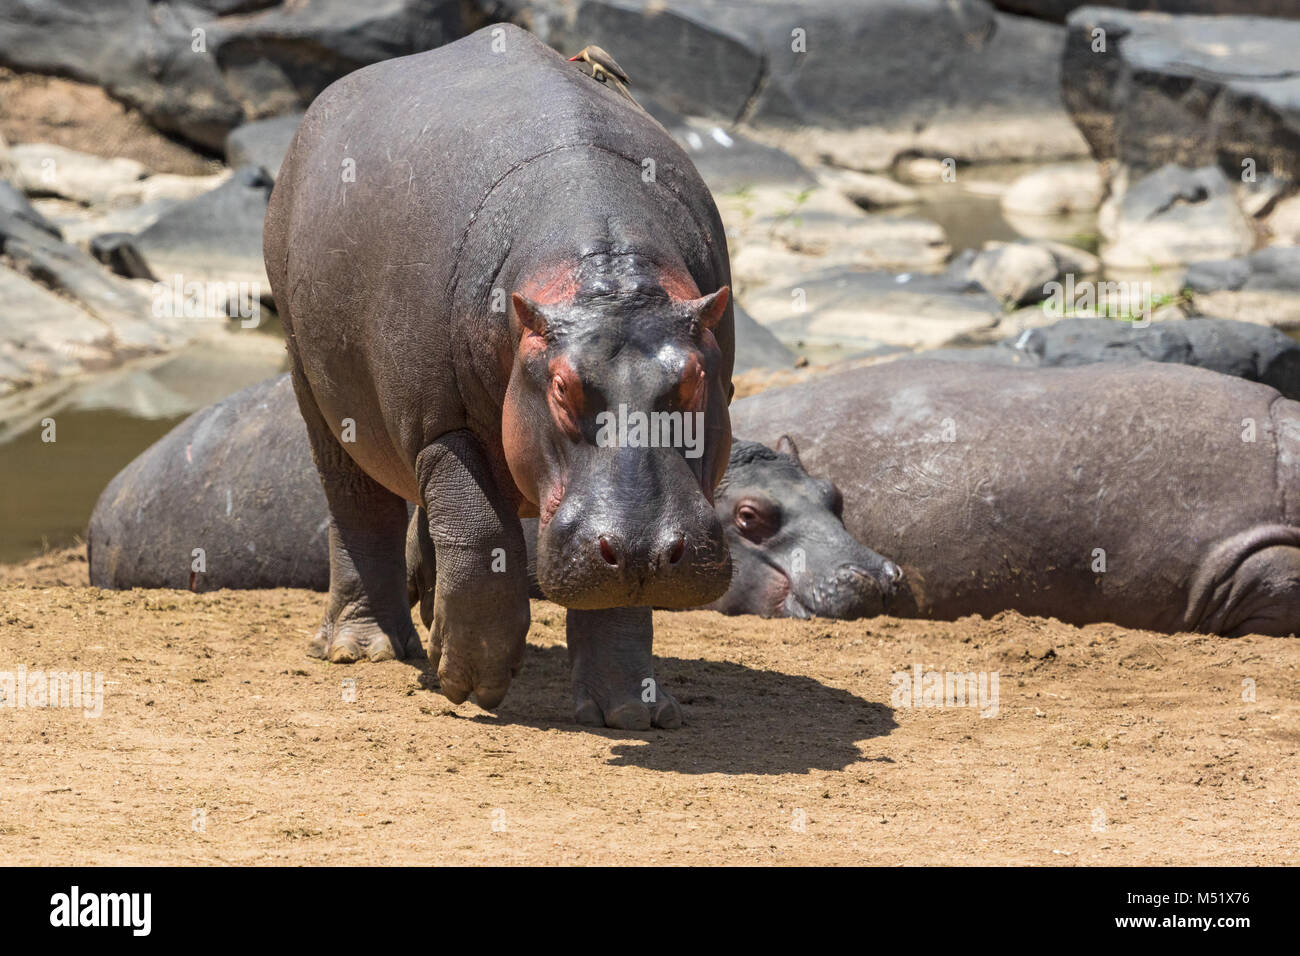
x: 1154, y: 496
x: 477, y: 253
x: 236, y: 480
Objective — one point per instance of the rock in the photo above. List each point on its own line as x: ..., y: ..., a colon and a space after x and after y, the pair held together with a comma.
x: 925, y: 169
x: 1019, y: 273
x: 140, y: 52
x: 777, y: 234
x: 870, y: 192
x: 1058, y: 10
x: 14, y: 203
x: 682, y: 53
x: 1263, y: 287
x: 924, y: 73
x: 1059, y: 190
x: 1242, y: 349
x: 81, y: 228
x: 1189, y: 90
x: 44, y: 169
x: 166, y: 186
x: 43, y: 335
x: 7, y: 169
x: 1070, y: 260
x: 117, y: 251
x: 1258, y: 196
x: 729, y: 160
x: 1171, y: 217
x: 214, y: 238
x: 870, y: 309
x: 757, y: 347
x: 1283, y: 223
x: 118, y: 306
x: 1015, y: 272
x: 62, y: 313
x: 196, y: 72
x: 262, y: 143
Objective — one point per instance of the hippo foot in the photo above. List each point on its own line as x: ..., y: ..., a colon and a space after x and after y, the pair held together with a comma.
x: 629, y: 713
x: 613, y: 671
x: 344, y: 639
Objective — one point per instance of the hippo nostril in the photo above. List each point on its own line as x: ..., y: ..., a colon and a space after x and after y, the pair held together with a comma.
x: 892, y: 572
x: 678, y: 551
x: 607, y: 551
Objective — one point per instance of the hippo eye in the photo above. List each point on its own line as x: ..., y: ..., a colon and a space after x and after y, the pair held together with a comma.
x: 754, y: 521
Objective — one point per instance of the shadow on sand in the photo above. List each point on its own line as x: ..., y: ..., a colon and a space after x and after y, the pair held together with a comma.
x: 738, y: 720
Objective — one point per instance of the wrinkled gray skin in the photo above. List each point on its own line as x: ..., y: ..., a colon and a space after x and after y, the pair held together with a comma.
x: 471, y: 263
x: 236, y: 479
x: 1050, y: 470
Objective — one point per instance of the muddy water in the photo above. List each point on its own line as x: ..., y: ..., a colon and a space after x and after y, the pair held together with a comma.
x: 49, y: 488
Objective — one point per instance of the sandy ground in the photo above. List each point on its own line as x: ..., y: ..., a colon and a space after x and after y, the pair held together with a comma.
x: 221, y: 742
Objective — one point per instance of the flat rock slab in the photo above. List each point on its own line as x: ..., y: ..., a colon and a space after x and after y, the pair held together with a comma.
x: 1190, y: 90
x: 868, y: 309
x: 262, y: 143
x: 44, y: 169
x: 214, y: 238
x: 1263, y: 287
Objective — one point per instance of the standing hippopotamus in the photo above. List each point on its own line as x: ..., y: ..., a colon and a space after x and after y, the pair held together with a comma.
x: 1150, y: 495
x: 478, y: 254
x: 236, y: 480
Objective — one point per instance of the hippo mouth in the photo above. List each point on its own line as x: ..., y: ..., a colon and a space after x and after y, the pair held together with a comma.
x: 867, y: 600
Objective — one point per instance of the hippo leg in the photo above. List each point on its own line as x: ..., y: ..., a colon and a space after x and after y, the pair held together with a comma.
x: 480, y: 612
x: 367, y: 616
x: 613, y: 670
x: 421, y: 564
x: 1249, y: 584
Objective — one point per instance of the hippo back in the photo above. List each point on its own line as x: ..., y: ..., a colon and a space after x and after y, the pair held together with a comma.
x: 235, y: 480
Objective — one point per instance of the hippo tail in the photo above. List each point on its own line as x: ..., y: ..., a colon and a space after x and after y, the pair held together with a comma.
x: 1248, y: 584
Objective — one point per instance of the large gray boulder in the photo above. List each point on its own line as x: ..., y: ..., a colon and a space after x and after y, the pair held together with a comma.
x: 262, y: 143
x: 198, y: 70
x: 216, y: 238
x: 868, y: 309
x: 920, y: 73
x: 756, y: 347
x: 62, y: 313
x: 1190, y: 90
x: 1171, y: 217
x: 1241, y: 349
x: 1058, y: 10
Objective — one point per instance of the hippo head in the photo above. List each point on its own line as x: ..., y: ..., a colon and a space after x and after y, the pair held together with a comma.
x: 790, y: 550
x: 616, y: 428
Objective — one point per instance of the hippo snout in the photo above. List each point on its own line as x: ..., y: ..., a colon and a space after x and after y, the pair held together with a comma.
x: 590, y: 561
x: 853, y: 590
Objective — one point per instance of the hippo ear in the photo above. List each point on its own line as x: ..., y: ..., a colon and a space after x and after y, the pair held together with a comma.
x: 529, y: 313
x: 708, y: 310
x: 786, y: 446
